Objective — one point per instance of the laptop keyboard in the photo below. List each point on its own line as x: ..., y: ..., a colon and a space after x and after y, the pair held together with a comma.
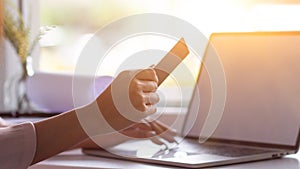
x: 194, y: 148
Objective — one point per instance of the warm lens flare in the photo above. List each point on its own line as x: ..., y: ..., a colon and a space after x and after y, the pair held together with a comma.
x: 275, y: 17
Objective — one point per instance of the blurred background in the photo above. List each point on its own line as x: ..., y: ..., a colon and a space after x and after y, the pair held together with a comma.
x: 75, y: 22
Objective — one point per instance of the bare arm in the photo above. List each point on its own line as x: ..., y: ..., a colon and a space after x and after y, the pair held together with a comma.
x: 57, y: 134
x: 64, y: 131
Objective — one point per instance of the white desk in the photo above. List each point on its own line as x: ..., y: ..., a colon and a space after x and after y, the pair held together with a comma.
x: 76, y: 160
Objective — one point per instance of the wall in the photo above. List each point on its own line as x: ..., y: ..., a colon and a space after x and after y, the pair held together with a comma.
x: 1, y: 17
x: 1, y: 54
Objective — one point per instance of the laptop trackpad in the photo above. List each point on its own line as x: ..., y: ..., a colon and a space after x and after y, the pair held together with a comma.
x: 147, y: 149
x: 195, y: 159
x: 136, y: 148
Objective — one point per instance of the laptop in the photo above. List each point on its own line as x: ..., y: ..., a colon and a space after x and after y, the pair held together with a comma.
x: 261, y: 118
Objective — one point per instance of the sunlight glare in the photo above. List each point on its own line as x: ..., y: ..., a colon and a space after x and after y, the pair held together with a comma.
x: 275, y: 17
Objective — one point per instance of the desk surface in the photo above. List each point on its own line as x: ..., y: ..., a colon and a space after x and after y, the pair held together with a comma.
x: 76, y: 160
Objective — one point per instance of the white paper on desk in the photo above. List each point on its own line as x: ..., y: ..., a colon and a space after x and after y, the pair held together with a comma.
x: 52, y: 92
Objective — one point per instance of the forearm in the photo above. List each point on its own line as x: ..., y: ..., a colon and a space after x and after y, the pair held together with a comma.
x: 57, y: 134
x: 62, y: 132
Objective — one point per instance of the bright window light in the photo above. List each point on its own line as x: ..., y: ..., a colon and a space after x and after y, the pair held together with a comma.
x: 275, y: 17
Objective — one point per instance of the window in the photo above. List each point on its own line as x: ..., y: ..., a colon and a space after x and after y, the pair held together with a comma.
x: 61, y: 46
x: 77, y: 20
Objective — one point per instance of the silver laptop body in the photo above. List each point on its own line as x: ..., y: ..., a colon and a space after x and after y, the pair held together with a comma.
x: 261, y: 118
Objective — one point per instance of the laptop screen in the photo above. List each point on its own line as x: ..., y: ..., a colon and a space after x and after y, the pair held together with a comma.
x: 262, y: 75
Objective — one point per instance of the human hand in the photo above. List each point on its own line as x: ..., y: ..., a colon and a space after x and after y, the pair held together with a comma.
x: 130, y: 98
x: 3, y: 123
x: 153, y: 130
x: 142, y: 90
x: 156, y: 131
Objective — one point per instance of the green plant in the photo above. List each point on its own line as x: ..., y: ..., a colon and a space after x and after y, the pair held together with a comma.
x: 18, y: 34
x: 16, y: 31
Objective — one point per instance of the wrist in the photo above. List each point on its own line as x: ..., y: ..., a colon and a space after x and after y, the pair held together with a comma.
x: 110, y: 113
